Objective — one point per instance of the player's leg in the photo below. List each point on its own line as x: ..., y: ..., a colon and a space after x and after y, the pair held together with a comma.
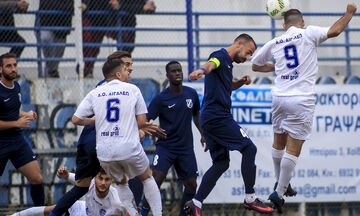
x: 118, y: 170
x: 26, y: 162
x: 35, y: 211
x: 162, y: 162
x: 87, y: 166
x: 186, y: 170
x: 288, y: 163
x: 151, y: 192
x: 277, y: 152
x: 159, y: 177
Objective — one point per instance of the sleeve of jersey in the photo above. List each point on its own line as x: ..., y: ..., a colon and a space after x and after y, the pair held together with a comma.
x: 263, y: 55
x: 317, y: 34
x: 153, y: 109
x: 216, y: 58
x: 85, y: 107
x: 140, y: 106
x: 196, y: 103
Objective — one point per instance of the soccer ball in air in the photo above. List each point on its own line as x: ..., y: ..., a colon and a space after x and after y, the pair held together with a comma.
x: 277, y: 8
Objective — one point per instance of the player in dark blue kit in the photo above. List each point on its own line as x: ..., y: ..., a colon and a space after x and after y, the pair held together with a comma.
x: 221, y: 132
x: 12, y: 119
x: 176, y: 106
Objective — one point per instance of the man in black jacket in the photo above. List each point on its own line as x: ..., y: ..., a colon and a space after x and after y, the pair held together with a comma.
x: 6, y: 19
x: 62, y: 18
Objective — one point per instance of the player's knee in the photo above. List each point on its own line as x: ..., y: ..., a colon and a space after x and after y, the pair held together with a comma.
x: 190, y: 185
x: 250, y: 150
x: 223, y: 165
x: 35, y: 179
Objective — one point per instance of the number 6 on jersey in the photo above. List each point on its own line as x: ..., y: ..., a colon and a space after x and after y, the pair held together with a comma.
x: 112, y: 113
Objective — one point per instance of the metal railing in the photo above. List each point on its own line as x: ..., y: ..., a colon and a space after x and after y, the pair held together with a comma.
x: 193, y: 47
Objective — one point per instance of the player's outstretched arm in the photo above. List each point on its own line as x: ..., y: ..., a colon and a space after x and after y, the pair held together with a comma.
x: 31, y: 115
x: 265, y: 68
x: 203, y: 70
x: 149, y: 128
x: 86, y: 121
x: 63, y: 173
x: 341, y: 24
x: 245, y: 80
x: 22, y: 122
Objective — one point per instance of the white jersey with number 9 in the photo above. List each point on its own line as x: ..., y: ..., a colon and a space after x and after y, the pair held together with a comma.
x: 295, y: 58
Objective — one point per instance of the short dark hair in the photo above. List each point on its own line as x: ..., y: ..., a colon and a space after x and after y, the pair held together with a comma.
x: 293, y: 17
x: 102, y: 171
x: 246, y: 38
x: 171, y: 63
x: 109, y: 66
x: 6, y: 56
x: 119, y: 54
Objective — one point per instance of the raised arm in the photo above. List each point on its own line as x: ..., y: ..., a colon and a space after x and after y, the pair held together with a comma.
x: 203, y: 70
x: 265, y: 68
x: 341, y: 23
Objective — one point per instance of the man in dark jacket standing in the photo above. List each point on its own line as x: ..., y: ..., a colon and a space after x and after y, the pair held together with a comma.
x: 6, y: 19
x: 62, y: 18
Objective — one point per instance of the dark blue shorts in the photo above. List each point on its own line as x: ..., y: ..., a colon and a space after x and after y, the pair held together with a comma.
x: 222, y: 136
x: 185, y: 164
x: 17, y: 151
x: 87, y: 163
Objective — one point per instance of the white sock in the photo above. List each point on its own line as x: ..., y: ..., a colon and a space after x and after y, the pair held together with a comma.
x: 34, y: 211
x: 127, y: 198
x: 152, y: 195
x: 277, y: 156
x: 288, y: 164
x: 249, y: 198
x: 197, y: 203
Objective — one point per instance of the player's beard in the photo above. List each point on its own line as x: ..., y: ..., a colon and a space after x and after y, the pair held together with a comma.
x: 9, y: 77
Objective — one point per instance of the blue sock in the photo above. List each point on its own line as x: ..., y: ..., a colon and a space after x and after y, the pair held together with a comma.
x: 37, y: 194
x: 68, y: 200
x: 52, y: 214
x: 248, y: 168
x: 136, y: 188
x: 210, y: 178
x: 186, y: 197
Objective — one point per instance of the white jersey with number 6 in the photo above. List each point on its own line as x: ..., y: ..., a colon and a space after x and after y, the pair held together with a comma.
x: 295, y: 58
x: 115, y: 106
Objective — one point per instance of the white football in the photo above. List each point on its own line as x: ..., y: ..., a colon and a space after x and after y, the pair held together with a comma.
x: 277, y: 8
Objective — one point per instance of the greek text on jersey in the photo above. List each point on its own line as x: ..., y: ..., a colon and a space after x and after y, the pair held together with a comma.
x: 113, y: 93
x: 289, y: 39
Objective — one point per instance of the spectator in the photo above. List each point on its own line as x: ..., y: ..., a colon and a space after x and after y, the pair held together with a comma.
x: 55, y: 36
x: 129, y: 20
x: 11, y: 36
x: 97, y: 20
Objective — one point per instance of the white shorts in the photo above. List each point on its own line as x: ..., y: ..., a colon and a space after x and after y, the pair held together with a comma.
x: 78, y: 209
x: 131, y: 167
x: 293, y: 115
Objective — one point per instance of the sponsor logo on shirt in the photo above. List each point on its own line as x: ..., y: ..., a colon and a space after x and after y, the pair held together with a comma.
x: 171, y: 106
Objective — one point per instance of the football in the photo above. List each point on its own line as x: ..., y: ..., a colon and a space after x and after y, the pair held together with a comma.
x: 277, y: 8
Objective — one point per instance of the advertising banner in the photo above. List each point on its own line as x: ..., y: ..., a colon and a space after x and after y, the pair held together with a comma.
x: 328, y: 168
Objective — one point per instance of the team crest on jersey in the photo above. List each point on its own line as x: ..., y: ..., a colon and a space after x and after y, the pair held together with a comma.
x: 19, y: 94
x: 102, y: 212
x: 189, y: 103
